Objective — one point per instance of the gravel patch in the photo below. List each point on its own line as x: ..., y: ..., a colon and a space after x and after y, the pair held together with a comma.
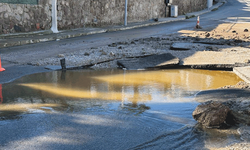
x: 239, y: 85
x: 106, y: 56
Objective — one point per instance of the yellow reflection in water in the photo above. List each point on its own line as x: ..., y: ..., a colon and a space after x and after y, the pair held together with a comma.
x: 76, y: 93
x: 163, y: 85
x: 189, y: 79
x: 25, y: 107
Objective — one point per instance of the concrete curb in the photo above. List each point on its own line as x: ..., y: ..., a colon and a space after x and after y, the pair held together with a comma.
x: 47, y: 35
x: 147, y: 24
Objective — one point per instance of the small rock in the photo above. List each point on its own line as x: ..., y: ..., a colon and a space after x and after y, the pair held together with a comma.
x: 232, y: 44
x: 104, y: 53
x: 60, y: 56
x: 112, y: 45
x: 86, y: 54
x: 94, y: 47
x: 121, y: 43
x: 207, y: 35
x: 133, y: 42
x: 233, y: 31
x: 247, y: 61
x: 17, y: 28
x: 246, y: 30
x: 215, y: 48
x: 209, y: 47
x: 181, y: 46
x: 242, y: 84
x: 120, y: 47
x: 112, y: 54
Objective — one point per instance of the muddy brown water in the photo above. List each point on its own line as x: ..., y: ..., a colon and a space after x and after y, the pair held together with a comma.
x: 145, y: 109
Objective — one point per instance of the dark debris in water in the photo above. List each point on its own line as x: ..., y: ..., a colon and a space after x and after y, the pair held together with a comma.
x: 135, y: 108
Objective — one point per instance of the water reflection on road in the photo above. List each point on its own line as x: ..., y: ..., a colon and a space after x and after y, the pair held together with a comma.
x: 146, y: 100
x: 134, y: 86
x: 130, y: 90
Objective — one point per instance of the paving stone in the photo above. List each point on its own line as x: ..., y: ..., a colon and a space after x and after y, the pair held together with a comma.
x: 154, y: 61
x: 181, y: 46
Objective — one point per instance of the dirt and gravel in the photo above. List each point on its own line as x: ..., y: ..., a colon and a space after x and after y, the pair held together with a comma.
x: 239, y: 85
x: 227, y: 44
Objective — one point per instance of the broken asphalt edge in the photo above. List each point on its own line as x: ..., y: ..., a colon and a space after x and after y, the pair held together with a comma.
x: 47, y: 35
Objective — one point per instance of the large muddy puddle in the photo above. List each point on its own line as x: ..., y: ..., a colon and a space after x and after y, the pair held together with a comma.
x: 110, y: 109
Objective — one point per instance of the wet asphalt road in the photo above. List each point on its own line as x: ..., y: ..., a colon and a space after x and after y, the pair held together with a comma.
x: 33, y: 132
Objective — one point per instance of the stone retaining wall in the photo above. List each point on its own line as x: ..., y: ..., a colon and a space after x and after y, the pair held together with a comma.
x: 84, y: 13
x: 187, y: 6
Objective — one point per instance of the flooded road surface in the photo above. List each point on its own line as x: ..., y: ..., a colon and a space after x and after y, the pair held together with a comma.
x: 111, y: 109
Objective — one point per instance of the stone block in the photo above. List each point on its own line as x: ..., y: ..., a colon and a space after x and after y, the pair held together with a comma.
x: 6, y: 15
x: 153, y: 61
x: 211, y: 114
x: 18, y: 17
x: 26, y: 16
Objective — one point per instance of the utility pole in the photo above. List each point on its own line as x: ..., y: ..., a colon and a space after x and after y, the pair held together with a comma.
x: 209, y: 3
x: 126, y: 12
x: 54, y: 17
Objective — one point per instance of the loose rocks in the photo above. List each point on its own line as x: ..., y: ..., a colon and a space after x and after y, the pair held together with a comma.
x: 239, y: 85
x: 232, y: 107
x: 211, y: 114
